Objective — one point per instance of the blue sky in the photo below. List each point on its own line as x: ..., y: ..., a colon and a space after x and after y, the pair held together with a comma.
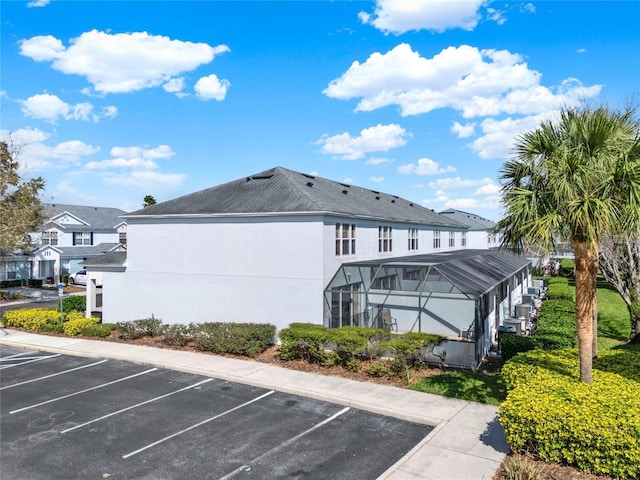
x: 111, y: 101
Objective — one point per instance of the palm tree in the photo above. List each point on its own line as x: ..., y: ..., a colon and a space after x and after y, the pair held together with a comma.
x: 572, y: 180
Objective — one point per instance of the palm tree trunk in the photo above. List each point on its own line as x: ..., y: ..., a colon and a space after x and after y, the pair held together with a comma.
x: 586, y: 258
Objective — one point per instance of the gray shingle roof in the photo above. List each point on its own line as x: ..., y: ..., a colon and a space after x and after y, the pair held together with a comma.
x: 473, y: 272
x: 98, y: 218
x: 473, y: 221
x: 280, y: 190
x: 110, y: 259
x: 86, y: 250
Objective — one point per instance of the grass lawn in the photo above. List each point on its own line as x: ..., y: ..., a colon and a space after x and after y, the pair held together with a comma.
x: 613, y: 329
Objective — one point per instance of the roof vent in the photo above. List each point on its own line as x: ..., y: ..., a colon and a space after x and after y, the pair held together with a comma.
x: 411, y: 204
x: 308, y: 176
x: 309, y: 184
x: 393, y: 200
x: 377, y: 197
x: 346, y: 185
x: 345, y: 191
x: 259, y: 177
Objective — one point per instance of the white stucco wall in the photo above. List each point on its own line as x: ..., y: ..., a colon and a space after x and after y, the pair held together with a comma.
x: 266, y: 270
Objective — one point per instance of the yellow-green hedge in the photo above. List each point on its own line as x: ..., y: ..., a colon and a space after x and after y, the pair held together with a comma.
x: 38, y: 319
x: 76, y: 323
x: 596, y: 427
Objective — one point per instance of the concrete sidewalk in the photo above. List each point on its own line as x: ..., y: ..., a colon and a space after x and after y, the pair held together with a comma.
x: 467, y: 442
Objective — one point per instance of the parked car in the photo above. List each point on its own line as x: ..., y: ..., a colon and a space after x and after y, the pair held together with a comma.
x: 82, y: 277
x: 78, y: 278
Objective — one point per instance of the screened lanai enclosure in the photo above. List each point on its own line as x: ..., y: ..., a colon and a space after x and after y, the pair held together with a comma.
x: 461, y: 295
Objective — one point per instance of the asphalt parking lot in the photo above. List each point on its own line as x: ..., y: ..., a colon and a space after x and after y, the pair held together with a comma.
x: 77, y: 417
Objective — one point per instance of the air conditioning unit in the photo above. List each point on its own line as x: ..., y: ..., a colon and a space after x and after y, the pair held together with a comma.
x: 539, y: 284
x: 514, y: 323
x: 523, y: 310
x: 533, y: 291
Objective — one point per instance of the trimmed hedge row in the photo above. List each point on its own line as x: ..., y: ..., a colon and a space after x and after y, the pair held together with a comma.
x: 51, y: 320
x: 348, y: 346
x: 550, y: 413
x: 556, y: 327
x: 32, y: 282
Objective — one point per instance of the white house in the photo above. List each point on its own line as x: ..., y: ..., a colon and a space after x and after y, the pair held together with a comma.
x: 262, y: 248
x: 480, y: 233
x: 71, y: 235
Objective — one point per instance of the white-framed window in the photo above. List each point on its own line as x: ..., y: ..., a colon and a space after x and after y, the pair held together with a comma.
x: 384, y: 239
x: 49, y: 238
x: 436, y: 239
x: 122, y: 238
x: 345, y: 239
x: 82, y: 238
x: 463, y: 239
x: 452, y: 239
x: 413, y: 239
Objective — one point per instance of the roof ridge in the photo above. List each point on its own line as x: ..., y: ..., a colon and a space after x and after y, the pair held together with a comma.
x: 305, y: 193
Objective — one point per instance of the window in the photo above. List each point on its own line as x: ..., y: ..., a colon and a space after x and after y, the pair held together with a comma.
x: 452, y: 239
x: 436, y: 239
x: 345, y: 239
x: 49, y: 238
x: 384, y: 239
x: 413, y: 239
x: 122, y: 238
x: 82, y: 238
x: 463, y: 240
x: 384, y: 283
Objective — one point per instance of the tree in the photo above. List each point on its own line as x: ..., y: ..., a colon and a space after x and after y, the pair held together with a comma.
x: 21, y: 211
x: 148, y: 201
x: 574, y: 180
x: 620, y: 266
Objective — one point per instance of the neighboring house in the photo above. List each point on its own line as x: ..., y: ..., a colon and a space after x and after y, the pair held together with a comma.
x: 270, y: 248
x: 71, y: 235
x: 262, y: 248
x: 479, y: 234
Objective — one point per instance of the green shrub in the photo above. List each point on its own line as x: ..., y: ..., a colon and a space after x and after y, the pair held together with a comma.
x: 65, y: 278
x: 73, y: 303
x: 306, y: 341
x: 11, y: 283
x: 379, y: 369
x: 98, y: 329
x: 146, y: 327
x: 247, y: 339
x: 37, y: 319
x: 75, y: 324
x: 34, y: 282
x: 550, y: 413
x: 511, y: 344
x: 178, y: 335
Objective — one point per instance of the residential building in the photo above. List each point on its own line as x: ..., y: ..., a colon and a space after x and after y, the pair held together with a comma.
x: 71, y: 235
x: 479, y: 233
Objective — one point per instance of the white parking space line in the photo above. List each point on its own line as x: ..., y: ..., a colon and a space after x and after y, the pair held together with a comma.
x: 136, y: 406
x: 10, y: 357
x: 30, y: 360
x: 247, y: 467
x: 53, y: 375
x: 198, y: 425
x: 83, y: 391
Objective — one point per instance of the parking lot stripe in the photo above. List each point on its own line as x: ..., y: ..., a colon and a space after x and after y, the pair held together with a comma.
x: 128, y: 455
x: 136, y: 406
x: 30, y: 360
x: 247, y: 467
x: 10, y: 357
x: 53, y: 375
x: 83, y: 391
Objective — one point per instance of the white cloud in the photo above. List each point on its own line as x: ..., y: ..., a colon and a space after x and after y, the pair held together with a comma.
x: 124, y: 62
x: 528, y: 8
x: 463, y: 131
x: 211, y: 88
x: 145, y: 179
x: 581, y: 50
x: 488, y: 189
x: 498, y: 135
x: 377, y: 179
x: 159, y: 152
x: 474, y: 82
x: 50, y: 108
x: 425, y: 166
x: 457, y: 182
x: 497, y: 16
x: 380, y: 138
x: 400, y: 16
x: 175, y: 85
x: 34, y: 155
x: 379, y: 161
x: 38, y: 3
x: 137, y: 158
